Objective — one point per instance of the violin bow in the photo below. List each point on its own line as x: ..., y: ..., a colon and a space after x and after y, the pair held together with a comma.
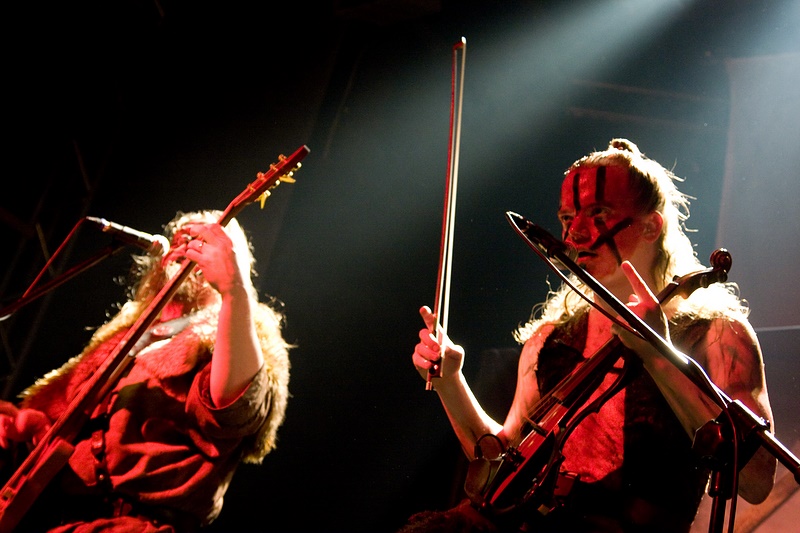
x: 441, y: 306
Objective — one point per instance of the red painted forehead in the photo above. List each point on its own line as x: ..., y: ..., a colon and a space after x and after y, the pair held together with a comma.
x: 607, y: 185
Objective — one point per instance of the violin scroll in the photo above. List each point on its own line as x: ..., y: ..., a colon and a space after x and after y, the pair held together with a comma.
x: 721, y: 259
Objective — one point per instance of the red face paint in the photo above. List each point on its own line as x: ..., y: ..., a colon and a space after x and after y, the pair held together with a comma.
x: 596, y: 208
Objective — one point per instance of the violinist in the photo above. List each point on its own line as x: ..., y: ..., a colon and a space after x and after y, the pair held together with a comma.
x: 631, y: 464
x: 207, y: 391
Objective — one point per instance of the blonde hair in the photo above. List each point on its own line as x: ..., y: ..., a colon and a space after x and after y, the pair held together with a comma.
x: 654, y: 189
x: 148, y: 276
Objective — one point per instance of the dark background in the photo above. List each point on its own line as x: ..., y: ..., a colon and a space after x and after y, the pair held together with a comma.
x: 135, y: 109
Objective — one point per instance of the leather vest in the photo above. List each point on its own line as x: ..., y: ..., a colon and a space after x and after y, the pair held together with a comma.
x: 661, y: 481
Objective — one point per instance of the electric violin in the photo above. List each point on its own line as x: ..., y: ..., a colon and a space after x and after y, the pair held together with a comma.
x: 525, y: 477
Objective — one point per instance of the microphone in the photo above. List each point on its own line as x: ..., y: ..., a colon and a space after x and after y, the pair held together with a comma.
x: 153, y: 244
x: 543, y: 240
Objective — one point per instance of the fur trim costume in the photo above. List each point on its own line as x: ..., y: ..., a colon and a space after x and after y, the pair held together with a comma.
x: 157, y: 439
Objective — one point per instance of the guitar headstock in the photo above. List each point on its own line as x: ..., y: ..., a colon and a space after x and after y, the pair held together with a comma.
x: 282, y: 171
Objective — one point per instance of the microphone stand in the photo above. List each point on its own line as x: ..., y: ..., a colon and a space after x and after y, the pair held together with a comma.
x: 30, y: 294
x: 59, y: 280
x: 717, y: 439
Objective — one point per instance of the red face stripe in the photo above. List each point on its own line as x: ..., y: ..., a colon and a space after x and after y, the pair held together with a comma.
x: 600, y: 185
x: 576, y: 191
x: 607, y: 237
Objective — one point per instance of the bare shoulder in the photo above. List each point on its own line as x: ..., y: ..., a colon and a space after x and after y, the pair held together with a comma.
x: 735, y: 363
x: 732, y: 338
x: 530, y: 351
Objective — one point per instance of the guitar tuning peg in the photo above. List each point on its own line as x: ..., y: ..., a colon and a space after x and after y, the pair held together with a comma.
x: 263, y: 198
x: 287, y: 178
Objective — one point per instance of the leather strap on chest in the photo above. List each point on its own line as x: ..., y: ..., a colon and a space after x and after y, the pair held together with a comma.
x: 99, y: 422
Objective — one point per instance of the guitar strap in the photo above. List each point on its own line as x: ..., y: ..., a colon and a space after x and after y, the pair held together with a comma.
x: 99, y: 423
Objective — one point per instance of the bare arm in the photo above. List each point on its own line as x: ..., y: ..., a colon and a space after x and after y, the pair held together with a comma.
x: 735, y: 365
x: 733, y: 362
x: 469, y: 420
x: 237, y: 353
